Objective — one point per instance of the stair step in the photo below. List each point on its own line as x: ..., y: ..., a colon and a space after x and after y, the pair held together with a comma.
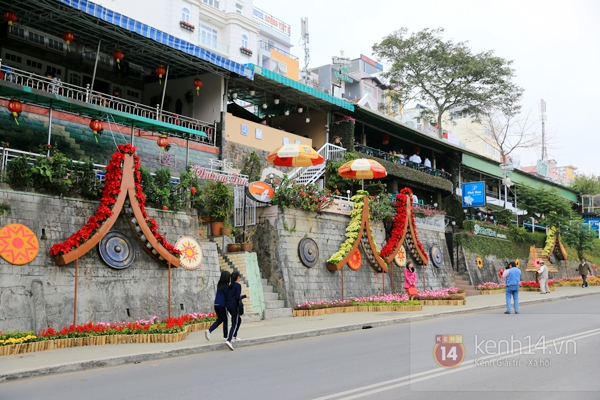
x: 263, y: 281
x: 268, y: 289
x: 270, y: 296
x: 270, y: 304
x: 278, y: 313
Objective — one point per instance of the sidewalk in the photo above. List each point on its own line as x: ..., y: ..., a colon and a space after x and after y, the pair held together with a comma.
x: 266, y: 331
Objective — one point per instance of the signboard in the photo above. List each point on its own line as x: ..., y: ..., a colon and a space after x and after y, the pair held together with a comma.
x: 542, y: 168
x: 340, y: 60
x: 593, y: 223
x: 271, y: 21
x: 473, y: 194
x: 340, y: 207
x: 219, y: 171
x: 371, y: 62
x: 481, y: 230
x: 261, y: 192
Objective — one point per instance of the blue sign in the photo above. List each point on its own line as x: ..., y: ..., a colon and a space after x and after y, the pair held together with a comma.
x: 593, y: 223
x: 473, y: 194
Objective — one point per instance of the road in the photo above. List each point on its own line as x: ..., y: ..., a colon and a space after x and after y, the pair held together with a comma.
x: 548, y: 351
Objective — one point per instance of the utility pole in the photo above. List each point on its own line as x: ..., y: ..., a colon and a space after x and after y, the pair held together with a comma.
x: 543, y: 118
x: 305, y: 41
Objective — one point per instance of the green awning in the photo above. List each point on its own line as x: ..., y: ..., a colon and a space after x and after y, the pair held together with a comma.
x: 492, y: 168
x: 29, y: 95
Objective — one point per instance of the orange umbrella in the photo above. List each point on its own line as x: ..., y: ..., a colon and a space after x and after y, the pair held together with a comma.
x: 295, y: 155
x: 362, y: 168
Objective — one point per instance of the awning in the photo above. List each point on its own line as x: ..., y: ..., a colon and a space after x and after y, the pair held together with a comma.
x: 149, y: 32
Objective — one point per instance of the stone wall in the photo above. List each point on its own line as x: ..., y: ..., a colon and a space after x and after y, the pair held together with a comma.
x: 40, y: 294
x: 280, y: 232
x: 237, y: 153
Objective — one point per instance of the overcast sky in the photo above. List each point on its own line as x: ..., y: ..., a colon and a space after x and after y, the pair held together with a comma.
x: 555, y: 46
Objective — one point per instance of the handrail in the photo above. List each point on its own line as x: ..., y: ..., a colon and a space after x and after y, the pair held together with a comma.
x: 266, y: 46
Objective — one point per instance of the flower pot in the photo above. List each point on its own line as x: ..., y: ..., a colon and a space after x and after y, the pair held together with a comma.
x: 234, y: 247
x: 215, y: 227
x: 226, y: 231
x: 247, y: 246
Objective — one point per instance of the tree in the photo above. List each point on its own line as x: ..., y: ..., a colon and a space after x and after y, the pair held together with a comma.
x: 445, y: 74
x: 579, y: 236
x: 544, y: 204
x: 585, y: 184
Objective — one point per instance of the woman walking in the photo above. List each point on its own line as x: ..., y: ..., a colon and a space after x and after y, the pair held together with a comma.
x: 220, y: 305
x: 410, y: 280
x: 234, y: 295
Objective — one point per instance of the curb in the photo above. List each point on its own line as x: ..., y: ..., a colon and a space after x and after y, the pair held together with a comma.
x: 138, y: 358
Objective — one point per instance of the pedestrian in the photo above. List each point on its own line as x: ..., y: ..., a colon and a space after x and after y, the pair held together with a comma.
x: 234, y: 295
x: 543, y: 275
x: 410, y: 280
x: 220, y: 305
x: 584, y: 271
x: 512, y: 277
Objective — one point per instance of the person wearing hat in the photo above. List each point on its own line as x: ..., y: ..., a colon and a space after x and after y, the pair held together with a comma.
x: 543, y: 275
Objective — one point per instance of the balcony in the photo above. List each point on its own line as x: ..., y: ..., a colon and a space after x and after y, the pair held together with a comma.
x: 187, y: 26
x: 214, y: 44
x: 266, y: 46
x: 20, y: 83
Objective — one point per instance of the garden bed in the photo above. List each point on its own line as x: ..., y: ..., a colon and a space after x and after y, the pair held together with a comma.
x: 338, y: 310
x: 444, y: 302
x: 496, y: 291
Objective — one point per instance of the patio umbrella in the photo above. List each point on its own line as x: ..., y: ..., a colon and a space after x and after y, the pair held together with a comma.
x: 362, y: 168
x: 295, y: 155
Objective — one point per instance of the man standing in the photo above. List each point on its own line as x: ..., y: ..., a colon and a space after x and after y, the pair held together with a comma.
x: 543, y: 275
x: 584, y: 271
x: 512, y: 277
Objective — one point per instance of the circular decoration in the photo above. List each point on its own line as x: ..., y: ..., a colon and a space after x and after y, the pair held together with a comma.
x: 400, y: 258
x: 355, y: 261
x: 437, y: 258
x: 116, y: 250
x: 308, y: 251
x: 479, y: 262
x: 518, y: 263
x: 18, y: 244
x: 191, y: 252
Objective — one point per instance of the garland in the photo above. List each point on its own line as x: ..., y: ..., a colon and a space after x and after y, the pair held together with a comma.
x: 415, y: 239
x: 399, y: 228
x: 110, y: 193
x: 353, y: 228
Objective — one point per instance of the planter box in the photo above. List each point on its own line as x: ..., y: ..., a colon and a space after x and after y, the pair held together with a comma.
x: 443, y: 302
x: 528, y: 289
x: 498, y: 291
x: 338, y: 310
x: 102, y: 340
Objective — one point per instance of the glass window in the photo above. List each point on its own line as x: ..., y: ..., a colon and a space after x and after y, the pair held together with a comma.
x: 239, y: 8
x: 208, y: 36
x: 185, y: 15
x: 245, y: 41
x: 487, y: 148
x: 214, y: 3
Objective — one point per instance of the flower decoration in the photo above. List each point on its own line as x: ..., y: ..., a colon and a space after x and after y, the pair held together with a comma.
x: 479, y: 262
x: 355, y: 261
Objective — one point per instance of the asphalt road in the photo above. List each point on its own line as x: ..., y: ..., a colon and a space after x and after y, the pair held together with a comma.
x: 548, y: 351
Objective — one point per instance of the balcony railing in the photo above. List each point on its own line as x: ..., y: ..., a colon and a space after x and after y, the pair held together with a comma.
x: 89, y: 96
x: 214, y: 44
x: 266, y: 46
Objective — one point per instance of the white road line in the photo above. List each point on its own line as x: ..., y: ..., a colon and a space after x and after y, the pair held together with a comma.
x: 434, y: 373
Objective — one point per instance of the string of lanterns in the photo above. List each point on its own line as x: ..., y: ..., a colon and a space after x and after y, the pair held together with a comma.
x: 11, y: 17
x: 96, y: 127
x: 15, y: 107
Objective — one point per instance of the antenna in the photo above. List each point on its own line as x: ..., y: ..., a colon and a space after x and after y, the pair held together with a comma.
x: 305, y: 41
x: 543, y: 118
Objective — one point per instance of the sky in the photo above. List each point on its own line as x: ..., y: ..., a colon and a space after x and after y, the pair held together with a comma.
x: 554, y: 45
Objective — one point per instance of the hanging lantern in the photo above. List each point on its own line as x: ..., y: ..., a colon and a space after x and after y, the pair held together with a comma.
x: 160, y: 71
x: 96, y: 126
x: 11, y: 17
x: 198, y: 85
x: 68, y: 38
x: 118, y: 56
x: 385, y: 139
x: 163, y: 141
x: 15, y: 107
x: 251, y: 91
x: 193, y: 190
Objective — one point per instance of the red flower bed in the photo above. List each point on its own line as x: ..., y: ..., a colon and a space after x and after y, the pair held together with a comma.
x: 112, y: 189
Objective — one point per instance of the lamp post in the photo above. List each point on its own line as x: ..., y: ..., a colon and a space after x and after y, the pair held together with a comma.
x: 507, y: 169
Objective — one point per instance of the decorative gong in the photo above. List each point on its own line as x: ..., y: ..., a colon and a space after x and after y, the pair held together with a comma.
x: 400, y: 258
x: 437, y: 258
x: 308, y: 252
x: 116, y: 250
x: 191, y: 253
x: 18, y: 244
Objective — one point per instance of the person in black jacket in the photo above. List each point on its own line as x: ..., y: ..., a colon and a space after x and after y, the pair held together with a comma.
x: 234, y: 295
x: 220, y: 305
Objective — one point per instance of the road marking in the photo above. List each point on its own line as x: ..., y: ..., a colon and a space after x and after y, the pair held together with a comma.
x: 434, y: 373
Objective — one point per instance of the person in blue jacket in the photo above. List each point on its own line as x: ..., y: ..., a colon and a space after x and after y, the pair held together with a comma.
x: 234, y: 295
x: 512, y: 277
x: 220, y: 305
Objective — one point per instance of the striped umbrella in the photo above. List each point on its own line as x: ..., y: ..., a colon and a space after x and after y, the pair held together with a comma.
x: 362, y: 168
x: 295, y: 155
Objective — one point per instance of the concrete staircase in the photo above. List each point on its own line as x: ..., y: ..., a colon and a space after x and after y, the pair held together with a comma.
x: 307, y: 175
x: 274, y: 308
x: 465, y: 285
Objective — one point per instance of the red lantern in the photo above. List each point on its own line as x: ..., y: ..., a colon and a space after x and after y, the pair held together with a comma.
x: 96, y: 126
x: 11, y: 17
x: 15, y: 107
x: 160, y: 71
x: 193, y: 190
x: 118, y: 56
x: 198, y: 85
x: 163, y: 141
x: 385, y: 139
x: 68, y: 37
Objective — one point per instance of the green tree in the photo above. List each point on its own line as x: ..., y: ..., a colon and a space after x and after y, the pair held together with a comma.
x: 544, y: 204
x: 445, y: 74
x: 252, y: 167
x: 579, y: 236
x: 585, y: 184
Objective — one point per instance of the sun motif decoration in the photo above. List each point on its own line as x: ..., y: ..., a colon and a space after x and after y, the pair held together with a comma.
x: 18, y: 244
x: 400, y: 258
x: 479, y: 262
x: 355, y: 261
x: 191, y: 253
x: 518, y: 263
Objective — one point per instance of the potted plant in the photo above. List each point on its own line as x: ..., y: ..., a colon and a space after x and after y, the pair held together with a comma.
x: 247, y: 241
x: 219, y: 203
x: 226, y: 229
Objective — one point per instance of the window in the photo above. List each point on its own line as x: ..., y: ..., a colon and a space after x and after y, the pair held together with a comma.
x: 245, y: 41
x: 239, y: 8
x: 13, y: 58
x: 57, y: 72
x: 496, y: 153
x: 185, y: 15
x: 214, y: 3
x: 34, y: 64
x: 487, y: 148
x: 75, y: 79
x: 368, y: 90
x: 486, y: 131
x: 132, y: 94
x: 279, y: 67
x: 56, y: 44
x: 37, y: 38
x: 208, y: 36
